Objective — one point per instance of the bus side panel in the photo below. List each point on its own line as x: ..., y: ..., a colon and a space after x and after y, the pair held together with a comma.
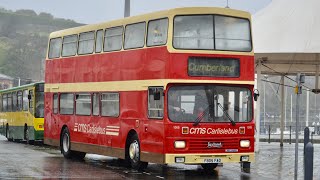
x: 51, y: 126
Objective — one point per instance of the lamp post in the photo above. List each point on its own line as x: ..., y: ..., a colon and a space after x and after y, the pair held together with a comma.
x: 126, y: 8
x: 264, y: 102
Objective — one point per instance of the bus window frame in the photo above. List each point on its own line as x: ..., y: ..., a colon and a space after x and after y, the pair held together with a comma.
x: 99, y: 104
x: 214, y: 38
x: 147, y: 34
x: 163, y: 93
x: 100, y: 98
x: 23, y: 105
x: 122, y: 39
x: 14, y: 106
x: 75, y: 103
x: 144, y: 40
x: 76, y: 42
x: 53, y: 111
x: 20, y: 106
x: 94, y: 42
x: 60, y: 50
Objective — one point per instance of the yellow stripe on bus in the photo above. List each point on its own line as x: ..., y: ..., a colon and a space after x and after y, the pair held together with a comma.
x: 133, y: 85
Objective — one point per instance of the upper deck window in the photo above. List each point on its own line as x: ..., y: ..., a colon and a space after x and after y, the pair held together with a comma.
x: 113, y: 39
x: 55, y: 48
x: 134, y: 35
x: 86, y: 43
x: 69, y: 46
x: 157, y: 32
x: 232, y: 33
x: 99, y: 40
x: 212, y: 32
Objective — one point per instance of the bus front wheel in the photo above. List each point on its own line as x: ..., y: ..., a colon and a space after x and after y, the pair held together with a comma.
x: 133, y: 154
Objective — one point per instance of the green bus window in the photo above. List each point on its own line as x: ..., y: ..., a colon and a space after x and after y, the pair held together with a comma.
x: 14, y: 101
x: 4, y: 103
x: 9, y: 109
x: 39, y: 111
x: 19, y: 100
x: 30, y: 101
x: 25, y: 100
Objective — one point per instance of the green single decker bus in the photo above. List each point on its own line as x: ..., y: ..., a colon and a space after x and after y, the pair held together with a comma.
x: 22, y: 111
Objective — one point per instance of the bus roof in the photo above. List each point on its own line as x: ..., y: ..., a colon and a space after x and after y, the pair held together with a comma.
x: 150, y: 16
x: 21, y: 87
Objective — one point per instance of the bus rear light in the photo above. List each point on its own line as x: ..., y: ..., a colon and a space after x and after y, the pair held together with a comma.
x: 179, y: 144
x: 245, y: 143
x: 179, y: 159
x: 242, y: 130
x: 40, y: 126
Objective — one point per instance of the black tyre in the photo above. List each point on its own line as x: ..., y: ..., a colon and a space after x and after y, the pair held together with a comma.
x: 65, y: 144
x: 7, y: 133
x: 209, y: 167
x: 26, y: 134
x: 245, y: 167
x: 133, y: 154
x: 78, y: 155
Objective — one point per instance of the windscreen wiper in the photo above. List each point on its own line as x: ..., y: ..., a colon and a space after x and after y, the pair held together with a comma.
x: 228, y: 116
x: 203, y: 114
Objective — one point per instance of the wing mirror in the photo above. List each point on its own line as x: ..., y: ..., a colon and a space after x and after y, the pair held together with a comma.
x: 256, y: 94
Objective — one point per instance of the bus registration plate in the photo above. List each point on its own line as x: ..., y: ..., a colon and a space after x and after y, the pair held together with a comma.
x: 212, y: 160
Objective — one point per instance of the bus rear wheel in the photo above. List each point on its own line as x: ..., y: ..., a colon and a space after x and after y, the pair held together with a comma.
x: 7, y: 132
x: 26, y: 133
x: 133, y: 154
x: 65, y: 144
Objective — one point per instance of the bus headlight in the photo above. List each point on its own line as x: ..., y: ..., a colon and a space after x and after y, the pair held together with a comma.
x: 244, y: 143
x: 179, y: 144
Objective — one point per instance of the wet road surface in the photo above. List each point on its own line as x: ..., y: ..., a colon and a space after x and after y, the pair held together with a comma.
x: 18, y: 160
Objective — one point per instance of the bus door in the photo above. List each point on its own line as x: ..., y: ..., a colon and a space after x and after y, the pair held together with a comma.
x: 153, y: 132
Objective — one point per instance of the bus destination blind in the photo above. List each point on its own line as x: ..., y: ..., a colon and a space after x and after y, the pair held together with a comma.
x: 213, y: 67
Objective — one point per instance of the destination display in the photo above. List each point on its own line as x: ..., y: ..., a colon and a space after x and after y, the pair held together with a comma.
x: 213, y: 67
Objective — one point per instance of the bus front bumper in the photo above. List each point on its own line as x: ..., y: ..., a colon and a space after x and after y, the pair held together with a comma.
x: 208, y: 158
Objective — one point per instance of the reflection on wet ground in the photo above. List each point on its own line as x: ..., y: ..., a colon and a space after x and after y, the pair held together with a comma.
x: 26, y: 161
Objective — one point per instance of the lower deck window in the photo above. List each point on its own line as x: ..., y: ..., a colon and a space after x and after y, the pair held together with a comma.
x: 66, y: 103
x: 110, y: 104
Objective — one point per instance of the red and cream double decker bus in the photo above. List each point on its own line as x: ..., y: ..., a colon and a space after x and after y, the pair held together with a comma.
x: 174, y: 86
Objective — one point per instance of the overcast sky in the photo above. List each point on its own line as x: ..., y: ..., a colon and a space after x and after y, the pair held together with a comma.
x: 94, y: 11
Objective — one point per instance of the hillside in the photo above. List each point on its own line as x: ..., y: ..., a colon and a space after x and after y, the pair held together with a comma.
x: 23, y: 41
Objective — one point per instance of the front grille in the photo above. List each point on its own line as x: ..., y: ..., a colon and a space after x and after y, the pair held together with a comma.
x: 201, y: 145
